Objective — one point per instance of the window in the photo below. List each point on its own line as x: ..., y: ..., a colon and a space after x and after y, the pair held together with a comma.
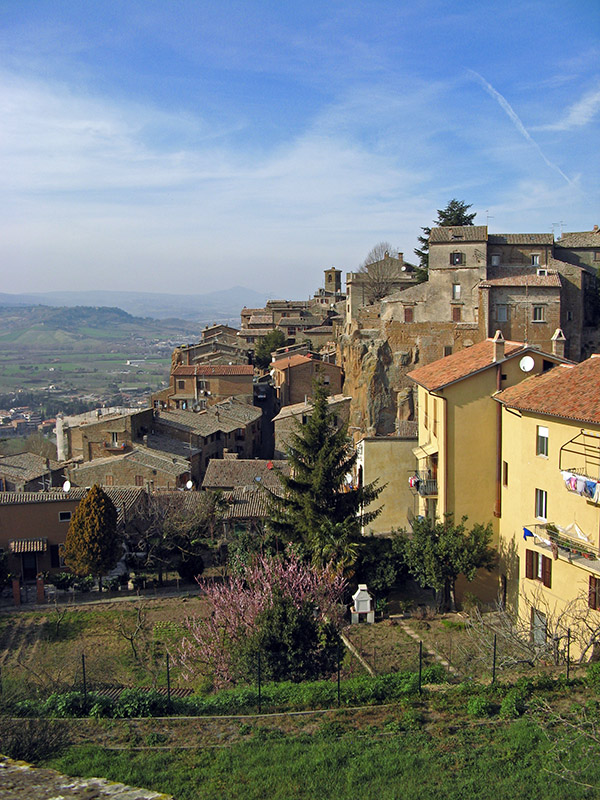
x: 539, y: 314
x: 456, y: 291
x: 114, y: 439
x: 181, y: 384
x: 502, y: 313
x: 408, y: 314
x: 594, y: 594
x: 495, y: 260
x: 64, y: 516
x: 541, y: 446
x: 569, y: 316
x: 326, y: 380
x: 139, y: 480
x: 535, y: 259
x: 596, y: 255
x: 541, y: 504
x: 505, y: 473
x: 447, y: 350
x: 541, y: 272
x: 456, y: 314
x: 538, y: 567
x: 457, y: 259
x: 109, y: 480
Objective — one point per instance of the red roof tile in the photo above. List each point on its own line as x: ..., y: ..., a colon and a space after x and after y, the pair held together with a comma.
x: 521, y: 276
x: 216, y: 370
x: 462, y: 364
x: 570, y: 391
x: 291, y: 361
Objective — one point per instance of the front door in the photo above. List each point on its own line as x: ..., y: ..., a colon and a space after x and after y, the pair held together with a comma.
x: 29, y: 567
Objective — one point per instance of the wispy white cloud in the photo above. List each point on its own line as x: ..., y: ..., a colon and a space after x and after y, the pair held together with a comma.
x: 514, y: 118
x: 579, y: 114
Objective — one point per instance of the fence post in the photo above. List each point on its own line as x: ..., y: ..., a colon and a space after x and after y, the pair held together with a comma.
x: 259, y: 687
x: 84, y: 680
x: 338, y: 673
x: 568, y: 652
x: 494, y: 661
x: 420, y: 663
x: 168, y: 683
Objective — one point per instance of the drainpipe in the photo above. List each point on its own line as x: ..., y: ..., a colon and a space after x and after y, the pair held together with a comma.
x: 443, y: 500
x: 498, y: 504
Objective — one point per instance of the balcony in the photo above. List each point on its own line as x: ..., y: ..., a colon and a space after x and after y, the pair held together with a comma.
x: 423, y: 484
x: 567, y: 544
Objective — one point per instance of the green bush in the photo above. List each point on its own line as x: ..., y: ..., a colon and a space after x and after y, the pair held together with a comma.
x: 592, y: 676
x: 513, y: 704
x: 138, y: 703
x: 62, y: 580
x: 480, y: 707
x: 68, y: 704
x: 85, y: 584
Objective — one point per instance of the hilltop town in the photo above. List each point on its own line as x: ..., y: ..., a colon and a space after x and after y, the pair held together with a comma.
x: 450, y: 413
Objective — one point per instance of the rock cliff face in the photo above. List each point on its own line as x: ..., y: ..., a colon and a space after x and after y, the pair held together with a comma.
x: 376, y: 361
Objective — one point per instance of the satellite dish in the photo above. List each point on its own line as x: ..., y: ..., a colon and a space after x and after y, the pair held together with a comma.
x: 66, y: 487
x: 526, y: 364
x: 258, y: 479
x: 189, y: 484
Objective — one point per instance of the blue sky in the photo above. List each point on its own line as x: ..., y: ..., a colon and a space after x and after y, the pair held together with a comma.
x: 183, y: 145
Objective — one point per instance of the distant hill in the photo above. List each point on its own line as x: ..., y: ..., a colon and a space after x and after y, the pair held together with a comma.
x: 220, y: 306
x: 83, y: 327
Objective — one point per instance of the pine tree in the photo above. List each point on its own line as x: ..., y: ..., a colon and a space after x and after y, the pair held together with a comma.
x: 455, y: 214
x: 316, y: 506
x: 93, y: 546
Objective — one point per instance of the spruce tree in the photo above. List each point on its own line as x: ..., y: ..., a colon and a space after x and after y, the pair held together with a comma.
x: 93, y: 546
x: 315, y: 504
x: 454, y: 215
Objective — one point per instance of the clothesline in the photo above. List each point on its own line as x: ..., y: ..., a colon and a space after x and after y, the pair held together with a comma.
x: 581, y: 484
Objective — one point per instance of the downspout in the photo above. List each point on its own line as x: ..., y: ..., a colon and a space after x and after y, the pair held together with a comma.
x: 446, y: 459
x: 498, y: 504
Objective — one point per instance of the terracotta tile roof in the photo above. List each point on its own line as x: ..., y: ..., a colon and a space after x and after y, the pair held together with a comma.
x: 216, y: 370
x: 226, y: 416
x: 125, y: 498
x: 521, y: 238
x: 247, y: 502
x: 291, y: 361
x: 302, y: 408
x: 26, y: 466
x: 570, y: 391
x: 580, y: 239
x: 464, y: 233
x: 521, y: 276
x: 230, y: 473
x: 462, y: 364
x: 28, y: 545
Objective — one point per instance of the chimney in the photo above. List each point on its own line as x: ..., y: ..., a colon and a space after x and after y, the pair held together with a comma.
x: 558, y: 343
x: 499, y: 343
x: 595, y: 230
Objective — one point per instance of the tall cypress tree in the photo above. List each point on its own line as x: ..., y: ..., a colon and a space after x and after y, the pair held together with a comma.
x: 316, y: 508
x: 92, y: 545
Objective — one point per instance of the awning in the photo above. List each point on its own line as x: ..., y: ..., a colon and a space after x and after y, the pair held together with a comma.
x: 426, y: 450
x: 28, y: 545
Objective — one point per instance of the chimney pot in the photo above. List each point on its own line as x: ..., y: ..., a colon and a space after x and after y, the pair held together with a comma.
x: 499, y: 343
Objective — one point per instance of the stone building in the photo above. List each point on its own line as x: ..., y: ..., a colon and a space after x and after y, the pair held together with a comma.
x: 525, y: 285
x: 28, y: 472
x: 294, y: 377
x: 198, y: 386
x: 288, y: 419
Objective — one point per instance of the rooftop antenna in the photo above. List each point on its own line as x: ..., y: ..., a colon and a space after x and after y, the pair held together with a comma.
x: 488, y: 217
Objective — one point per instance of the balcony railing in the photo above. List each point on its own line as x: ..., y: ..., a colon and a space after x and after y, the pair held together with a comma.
x: 422, y: 483
x: 566, y: 545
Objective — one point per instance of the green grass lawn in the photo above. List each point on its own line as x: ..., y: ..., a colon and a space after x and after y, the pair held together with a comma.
x: 502, y: 761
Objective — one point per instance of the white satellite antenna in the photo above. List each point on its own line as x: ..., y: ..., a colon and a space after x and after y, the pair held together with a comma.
x: 66, y: 487
x: 189, y: 484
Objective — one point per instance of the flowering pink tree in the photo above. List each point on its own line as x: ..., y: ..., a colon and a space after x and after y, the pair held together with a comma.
x: 209, y: 643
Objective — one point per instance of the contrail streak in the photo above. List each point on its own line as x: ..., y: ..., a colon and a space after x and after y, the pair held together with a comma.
x: 512, y: 115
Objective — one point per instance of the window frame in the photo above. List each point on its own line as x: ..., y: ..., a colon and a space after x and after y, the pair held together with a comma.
x: 504, y: 316
x: 542, y: 436
x: 538, y: 567
x: 456, y: 291
x: 538, y: 313
x: 457, y: 258
x: 541, y: 505
x: 65, y: 516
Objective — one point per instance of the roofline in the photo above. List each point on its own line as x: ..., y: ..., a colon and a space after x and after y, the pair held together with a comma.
x: 520, y: 351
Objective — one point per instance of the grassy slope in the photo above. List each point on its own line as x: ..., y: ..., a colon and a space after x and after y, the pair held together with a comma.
x: 499, y: 762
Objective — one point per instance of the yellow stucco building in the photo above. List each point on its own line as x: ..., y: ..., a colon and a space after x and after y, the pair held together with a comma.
x: 550, y: 499
x: 459, y: 454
